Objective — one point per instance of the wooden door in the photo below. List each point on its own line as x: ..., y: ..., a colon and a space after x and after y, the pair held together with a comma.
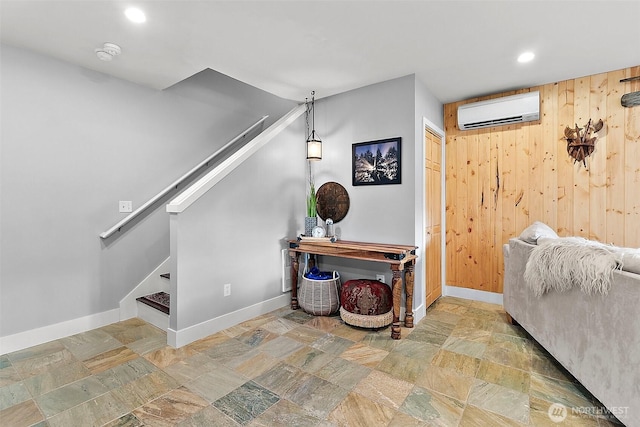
x: 433, y: 206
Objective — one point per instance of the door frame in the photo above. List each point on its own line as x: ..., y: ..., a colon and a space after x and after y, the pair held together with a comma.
x: 420, y: 207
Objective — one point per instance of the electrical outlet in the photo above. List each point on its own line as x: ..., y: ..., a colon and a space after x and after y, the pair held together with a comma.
x: 380, y: 278
x: 227, y: 289
x: 125, y: 206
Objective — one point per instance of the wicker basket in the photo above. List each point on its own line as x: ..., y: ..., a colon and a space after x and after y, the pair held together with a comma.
x: 320, y: 297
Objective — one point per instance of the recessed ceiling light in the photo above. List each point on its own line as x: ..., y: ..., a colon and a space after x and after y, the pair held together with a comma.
x: 135, y: 15
x: 526, y: 57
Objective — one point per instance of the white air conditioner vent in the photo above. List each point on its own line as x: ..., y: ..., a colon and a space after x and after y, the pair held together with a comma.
x: 519, y: 108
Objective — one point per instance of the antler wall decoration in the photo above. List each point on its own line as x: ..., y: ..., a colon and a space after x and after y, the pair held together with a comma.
x: 580, y: 143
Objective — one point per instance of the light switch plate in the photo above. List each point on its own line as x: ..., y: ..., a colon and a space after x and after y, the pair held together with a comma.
x: 125, y: 206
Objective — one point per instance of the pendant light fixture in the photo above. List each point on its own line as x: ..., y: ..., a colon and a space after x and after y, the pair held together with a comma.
x: 314, y: 144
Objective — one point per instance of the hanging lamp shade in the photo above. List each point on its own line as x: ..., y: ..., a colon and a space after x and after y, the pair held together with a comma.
x: 314, y: 148
x: 314, y: 144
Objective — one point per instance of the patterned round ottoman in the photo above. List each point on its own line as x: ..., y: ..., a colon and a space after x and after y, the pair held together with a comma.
x: 366, y: 303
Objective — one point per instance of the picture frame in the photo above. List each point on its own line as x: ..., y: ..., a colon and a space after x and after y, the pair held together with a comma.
x: 377, y: 162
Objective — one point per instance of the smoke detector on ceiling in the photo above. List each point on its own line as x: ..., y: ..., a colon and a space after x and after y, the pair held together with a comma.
x: 108, y: 51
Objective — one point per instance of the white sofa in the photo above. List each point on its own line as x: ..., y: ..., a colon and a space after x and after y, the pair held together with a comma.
x: 595, y: 337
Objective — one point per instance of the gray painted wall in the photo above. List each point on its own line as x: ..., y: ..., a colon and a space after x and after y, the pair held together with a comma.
x: 388, y: 213
x: 73, y: 143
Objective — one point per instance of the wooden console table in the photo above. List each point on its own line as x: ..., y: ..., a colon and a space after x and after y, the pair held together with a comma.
x: 401, y: 259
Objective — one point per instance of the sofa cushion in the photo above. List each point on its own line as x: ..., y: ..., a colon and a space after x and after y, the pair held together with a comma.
x: 535, y: 231
x: 631, y: 261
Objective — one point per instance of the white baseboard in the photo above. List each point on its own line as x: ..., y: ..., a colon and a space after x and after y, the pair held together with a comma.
x: 192, y: 333
x: 149, y: 285
x: 472, y: 294
x: 22, y: 340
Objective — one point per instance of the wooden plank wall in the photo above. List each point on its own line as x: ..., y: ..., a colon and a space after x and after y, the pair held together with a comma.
x: 501, y: 179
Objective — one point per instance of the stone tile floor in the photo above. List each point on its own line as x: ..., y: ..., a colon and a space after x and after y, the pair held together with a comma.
x: 462, y: 365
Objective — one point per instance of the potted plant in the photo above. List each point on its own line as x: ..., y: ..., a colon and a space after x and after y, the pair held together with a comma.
x: 311, y: 220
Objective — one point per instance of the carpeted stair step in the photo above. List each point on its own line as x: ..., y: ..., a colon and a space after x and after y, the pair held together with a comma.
x: 159, y: 301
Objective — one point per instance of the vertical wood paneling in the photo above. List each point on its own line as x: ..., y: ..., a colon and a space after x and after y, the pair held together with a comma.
x: 614, y: 128
x: 499, y: 180
x: 632, y: 166
x: 598, y: 161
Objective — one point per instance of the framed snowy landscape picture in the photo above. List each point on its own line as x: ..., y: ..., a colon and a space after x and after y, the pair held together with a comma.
x: 376, y: 162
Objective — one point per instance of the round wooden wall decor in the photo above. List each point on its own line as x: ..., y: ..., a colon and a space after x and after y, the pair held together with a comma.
x: 333, y: 201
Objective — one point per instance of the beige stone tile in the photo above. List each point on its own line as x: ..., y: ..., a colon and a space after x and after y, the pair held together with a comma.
x: 505, y: 376
x: 306, y: 335
x: 256, y: 365
x: 502, y: 327
x: 50, y: 380
x: 351, y: 332
x: 451, y: 308
x: 471, y: 334
x: 90, y: 344
x: 434, y: 408
x: 148, y: 344
x: 207, y: 342
x: 540, y: 409
x: 173, y: 407
x: 443, y: 316
x: 557, y: 391
x: 9, y: 375
x: 73, y: 394
x: 364, y: 355
x: 256, y: 337
x: 215, y: 384
x: 119, y: 327
x: 23, y: 414
x: 132, y: 334
x: 401, y: 366
x: 208, y: 416
x: 476, y: 417
x: 282, y: 378
x: 462, y: 346
x: 324, y: 323
x: 343, y: 373
x: 285, y: 413
x: 445, y: 381
x: 127, y: 420
x: 404, y: 420
x: 309, y: 359
x: 384, y: 389
x: 190, y: 368
x: 12, y: 395
x: 459, y: 363
x: 169, y: 355
x: 497, y: 308
x: 280, y: 326
x: 144, y: 389
x: 357, y: 410
x: 109, y: 359
x: 95, y: 412
x: 500, y: 400
x: 41, y: 363
x: 511, y: 343
x: 476, y: 323
x: 502, y: 356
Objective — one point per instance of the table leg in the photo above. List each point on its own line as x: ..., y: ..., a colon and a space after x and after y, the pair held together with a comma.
x: 396, y: 289
x: 408, y: 283
x: 293, y: 255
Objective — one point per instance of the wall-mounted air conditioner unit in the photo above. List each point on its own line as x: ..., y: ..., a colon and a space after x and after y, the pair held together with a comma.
x: 520, y: 108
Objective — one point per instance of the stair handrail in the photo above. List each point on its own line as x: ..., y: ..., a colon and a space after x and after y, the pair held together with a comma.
x: 177, y: 182
x: 203, y: 184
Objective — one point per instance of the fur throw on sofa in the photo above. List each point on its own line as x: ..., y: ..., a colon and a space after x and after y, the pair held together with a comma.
x: 562, y: 264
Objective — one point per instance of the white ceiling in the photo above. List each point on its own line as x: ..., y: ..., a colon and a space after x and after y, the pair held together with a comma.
x: 458, y: 49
